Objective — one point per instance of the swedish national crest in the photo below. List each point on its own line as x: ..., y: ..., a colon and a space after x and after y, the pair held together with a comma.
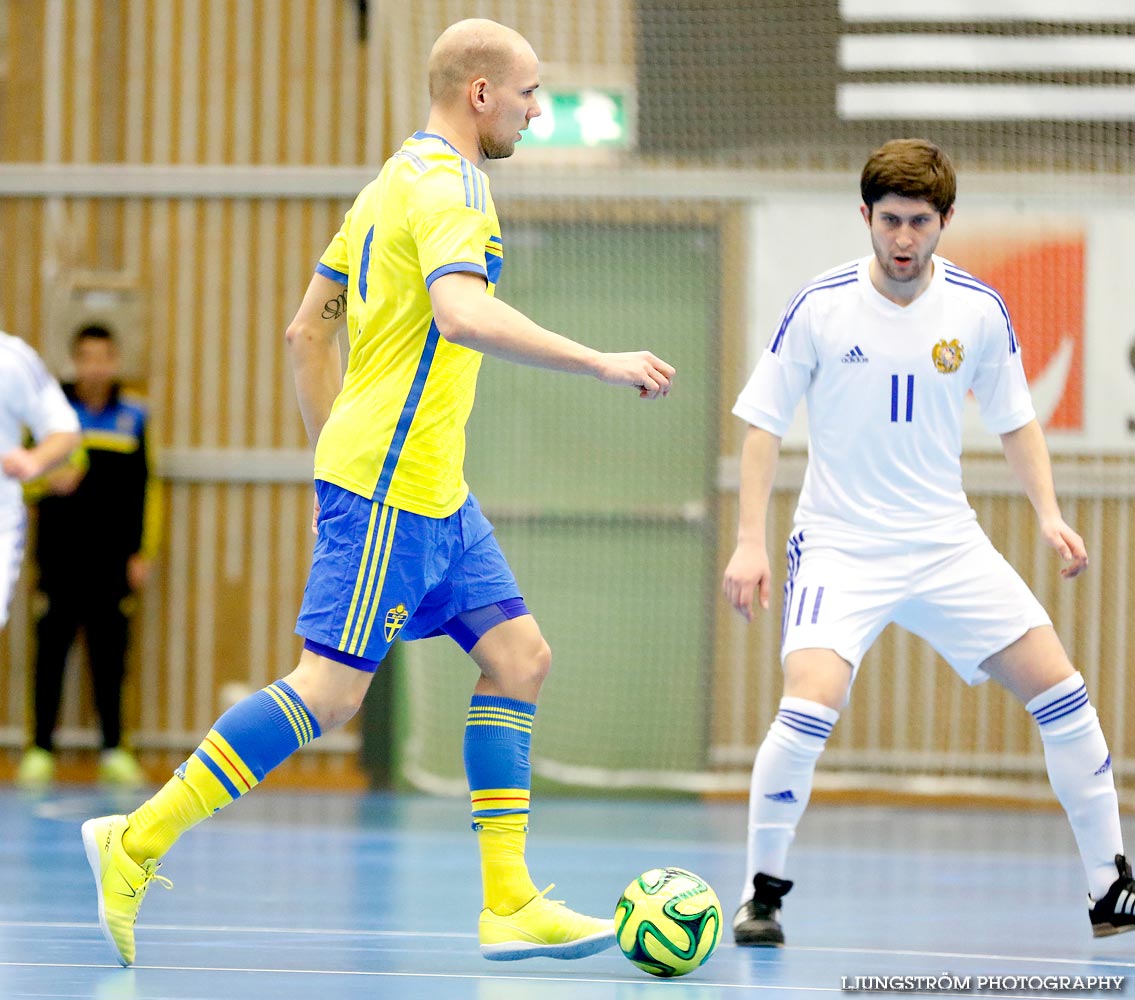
x: 395, y: 619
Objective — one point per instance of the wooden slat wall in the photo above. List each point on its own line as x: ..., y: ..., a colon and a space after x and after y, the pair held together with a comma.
x: 213, y: 82
x: 289, y: 83
x: 187, y: 81
x: 911, y: 723
x: 585, y: 39
x: 227, y: 276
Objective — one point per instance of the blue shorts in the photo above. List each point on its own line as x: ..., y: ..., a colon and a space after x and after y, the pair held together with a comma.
x: 379, y: 573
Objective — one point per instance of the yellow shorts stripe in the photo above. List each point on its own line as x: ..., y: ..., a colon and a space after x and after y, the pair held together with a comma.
x: 373, y: 590
x: 359, y: 580
x: 381, y: 575
x: 368, y: 586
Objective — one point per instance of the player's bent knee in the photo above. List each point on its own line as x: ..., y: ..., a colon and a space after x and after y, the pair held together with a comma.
x: 527, y: 668
x: 541, y: 661
x: 339, y: 710
x: 515, y: 656
x: 1032, y: 664
x: 818, y: 675
x: 332, y: 692
x: 521, y: 673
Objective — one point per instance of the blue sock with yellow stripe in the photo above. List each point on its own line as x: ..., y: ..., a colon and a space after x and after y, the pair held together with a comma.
x: 245, y: 743
x: 498, y: 736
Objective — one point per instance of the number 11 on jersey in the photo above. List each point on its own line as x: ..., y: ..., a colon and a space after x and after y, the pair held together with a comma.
x: 898, y: 404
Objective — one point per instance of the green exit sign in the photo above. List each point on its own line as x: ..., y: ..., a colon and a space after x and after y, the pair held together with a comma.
x: 587, y: 118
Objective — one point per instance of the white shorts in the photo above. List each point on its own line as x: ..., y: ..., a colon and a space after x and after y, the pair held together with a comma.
x: 11, y: 556
x: 960, y: 596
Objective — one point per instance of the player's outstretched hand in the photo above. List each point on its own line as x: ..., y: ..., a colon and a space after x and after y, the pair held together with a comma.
x: 20, y: 464
x: 1070, y: 546
x: 640, y: 369
x: 747, y: 579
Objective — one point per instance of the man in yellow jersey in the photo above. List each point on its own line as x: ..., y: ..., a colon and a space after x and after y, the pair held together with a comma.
x: 402, y: 547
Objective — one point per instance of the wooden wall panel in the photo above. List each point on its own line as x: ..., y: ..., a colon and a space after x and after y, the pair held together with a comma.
x: 911, y: 723
x: 292, y: 83
x: 187, y: 81
x: 221, y: 279
x: 273, y: 83
x: 276, y: 82
x: 566, y: 37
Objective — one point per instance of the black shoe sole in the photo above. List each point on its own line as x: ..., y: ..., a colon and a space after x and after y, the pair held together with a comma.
x: 1110, y: 930
x: 758, y: 940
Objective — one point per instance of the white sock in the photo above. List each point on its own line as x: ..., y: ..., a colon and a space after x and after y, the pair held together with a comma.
x: 782, y: 784
x: 1079, y: 767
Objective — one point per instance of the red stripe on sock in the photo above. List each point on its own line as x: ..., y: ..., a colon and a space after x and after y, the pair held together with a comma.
x: 247, y: 786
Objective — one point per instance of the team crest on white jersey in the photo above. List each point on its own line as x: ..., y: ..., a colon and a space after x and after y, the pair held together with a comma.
x: 395, y: 619
x: 948, y: 356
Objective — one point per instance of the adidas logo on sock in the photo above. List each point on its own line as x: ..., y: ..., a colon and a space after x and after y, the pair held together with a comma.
x: 786, y: 796
x: 855, y: 356
x: 1104, y: 767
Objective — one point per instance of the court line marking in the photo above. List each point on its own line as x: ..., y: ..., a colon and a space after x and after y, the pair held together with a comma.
x: 338, y: 932
x: 245, y: 929
x: 461, y: 935
x: 1089, y: 960
x: 613, y: 981
x: 579, y: 980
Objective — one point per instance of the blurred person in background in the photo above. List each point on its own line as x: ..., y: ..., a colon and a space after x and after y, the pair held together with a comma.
x: 94, y: 547
x: 32, y: 406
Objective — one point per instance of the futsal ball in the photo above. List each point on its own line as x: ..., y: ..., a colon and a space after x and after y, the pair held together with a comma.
x: 668, y: 921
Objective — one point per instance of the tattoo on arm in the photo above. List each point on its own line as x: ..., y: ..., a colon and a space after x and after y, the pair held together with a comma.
x: 335, y: 308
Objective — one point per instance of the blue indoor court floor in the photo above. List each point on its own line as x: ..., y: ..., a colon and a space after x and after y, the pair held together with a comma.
x: 288, y: 895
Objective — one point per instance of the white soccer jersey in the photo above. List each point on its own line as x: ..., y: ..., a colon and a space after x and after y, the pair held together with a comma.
x: 30, y: 400
x: 885, y: 387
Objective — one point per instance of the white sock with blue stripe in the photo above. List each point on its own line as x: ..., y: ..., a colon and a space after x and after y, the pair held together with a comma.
x: 782, y: 783
x: 1079, y: 767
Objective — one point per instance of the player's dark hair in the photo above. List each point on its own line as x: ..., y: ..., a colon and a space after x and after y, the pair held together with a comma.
x: 92, y: 331
x: 910, y: 168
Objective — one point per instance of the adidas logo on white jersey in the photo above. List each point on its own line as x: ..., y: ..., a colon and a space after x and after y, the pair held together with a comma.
x: 854, y: 357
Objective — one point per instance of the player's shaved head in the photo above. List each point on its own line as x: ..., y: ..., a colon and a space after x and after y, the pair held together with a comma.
x: 468, y: 50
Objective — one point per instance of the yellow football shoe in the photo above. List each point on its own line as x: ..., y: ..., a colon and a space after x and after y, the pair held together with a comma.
x: 36, y: 771
x: 120, y: 881
x: 543, y: 928
x: 121, y: 769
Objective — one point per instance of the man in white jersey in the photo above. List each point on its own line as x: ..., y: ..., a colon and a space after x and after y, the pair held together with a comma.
x: 885, y: 349
x: 31, y: 402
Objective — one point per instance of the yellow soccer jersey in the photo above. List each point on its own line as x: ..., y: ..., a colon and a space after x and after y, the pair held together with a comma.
x: 396, y: 432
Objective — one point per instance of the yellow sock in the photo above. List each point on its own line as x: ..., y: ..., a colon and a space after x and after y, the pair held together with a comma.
x: 504, y: 874
x: 191, y: 795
